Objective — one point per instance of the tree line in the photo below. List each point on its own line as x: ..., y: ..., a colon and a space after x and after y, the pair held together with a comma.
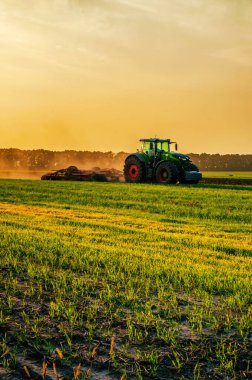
x: 40, y: 159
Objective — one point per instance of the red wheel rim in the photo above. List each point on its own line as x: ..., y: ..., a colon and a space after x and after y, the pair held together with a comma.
x: 163, y: 175
x: 133, y: 171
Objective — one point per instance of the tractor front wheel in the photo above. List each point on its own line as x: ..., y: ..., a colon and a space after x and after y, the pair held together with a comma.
x: 134, y: 170
x: 167, y: 173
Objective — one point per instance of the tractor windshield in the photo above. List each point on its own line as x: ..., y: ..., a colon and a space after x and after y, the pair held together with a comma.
x: 163, y: 146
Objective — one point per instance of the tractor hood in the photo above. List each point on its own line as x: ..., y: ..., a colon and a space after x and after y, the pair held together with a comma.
x: 181, y: 156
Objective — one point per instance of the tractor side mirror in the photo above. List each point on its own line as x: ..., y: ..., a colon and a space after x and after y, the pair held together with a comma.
x: 176, y: 146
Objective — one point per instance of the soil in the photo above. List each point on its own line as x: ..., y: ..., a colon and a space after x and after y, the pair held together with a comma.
x: 227, y: 181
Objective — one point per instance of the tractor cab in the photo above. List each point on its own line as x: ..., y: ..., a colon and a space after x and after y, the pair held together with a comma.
x: 154, y: 148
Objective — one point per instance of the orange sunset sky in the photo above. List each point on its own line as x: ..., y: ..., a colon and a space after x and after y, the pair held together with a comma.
x: 100, y: 74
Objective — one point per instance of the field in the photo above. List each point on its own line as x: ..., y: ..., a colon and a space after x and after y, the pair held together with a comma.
x: 116, y: 281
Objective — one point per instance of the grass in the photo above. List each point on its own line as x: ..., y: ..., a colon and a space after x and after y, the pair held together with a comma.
x: 134, y: 281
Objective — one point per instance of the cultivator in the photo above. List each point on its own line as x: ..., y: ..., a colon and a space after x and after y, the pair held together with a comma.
x: 72, y: 173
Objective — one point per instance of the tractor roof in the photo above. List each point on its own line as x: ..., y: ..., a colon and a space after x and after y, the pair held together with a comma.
x: 155, y: 140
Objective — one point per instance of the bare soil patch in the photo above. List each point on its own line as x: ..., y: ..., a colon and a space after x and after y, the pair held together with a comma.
x: 227, y: 181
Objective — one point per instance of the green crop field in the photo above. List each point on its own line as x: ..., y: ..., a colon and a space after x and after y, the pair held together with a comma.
x: 116, y: 281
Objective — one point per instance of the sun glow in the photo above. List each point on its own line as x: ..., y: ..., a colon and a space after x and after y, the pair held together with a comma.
x: 97, y: 75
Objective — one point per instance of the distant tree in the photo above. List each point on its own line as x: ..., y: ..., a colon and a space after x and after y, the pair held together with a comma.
x: 40, y: 159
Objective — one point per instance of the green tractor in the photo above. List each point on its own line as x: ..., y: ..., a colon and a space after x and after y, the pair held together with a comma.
x: 155, y: 162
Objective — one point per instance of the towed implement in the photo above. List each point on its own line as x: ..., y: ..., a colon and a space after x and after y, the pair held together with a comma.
x: 72, y: 173
x: 155, y: 162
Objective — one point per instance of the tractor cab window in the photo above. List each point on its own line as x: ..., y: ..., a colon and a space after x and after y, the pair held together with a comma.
x: 165, y: 146
x: 148, y: 148
x: 145, y: 147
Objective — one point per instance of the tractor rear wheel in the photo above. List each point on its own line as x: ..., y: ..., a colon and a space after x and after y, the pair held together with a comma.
x: 167, y: 173
x: 134, y: 170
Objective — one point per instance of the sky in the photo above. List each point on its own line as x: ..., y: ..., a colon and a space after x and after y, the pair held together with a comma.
x: 101, y: 74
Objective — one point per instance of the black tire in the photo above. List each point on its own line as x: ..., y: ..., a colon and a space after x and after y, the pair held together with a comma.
x: 134, y: 170
x: 182, y: 180
x: 71, y: 169
x: 167, y: 173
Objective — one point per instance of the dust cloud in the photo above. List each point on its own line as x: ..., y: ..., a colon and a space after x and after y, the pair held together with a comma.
x: 21, y: 164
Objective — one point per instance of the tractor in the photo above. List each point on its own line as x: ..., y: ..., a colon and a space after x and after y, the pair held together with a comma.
x: 155, y: 162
